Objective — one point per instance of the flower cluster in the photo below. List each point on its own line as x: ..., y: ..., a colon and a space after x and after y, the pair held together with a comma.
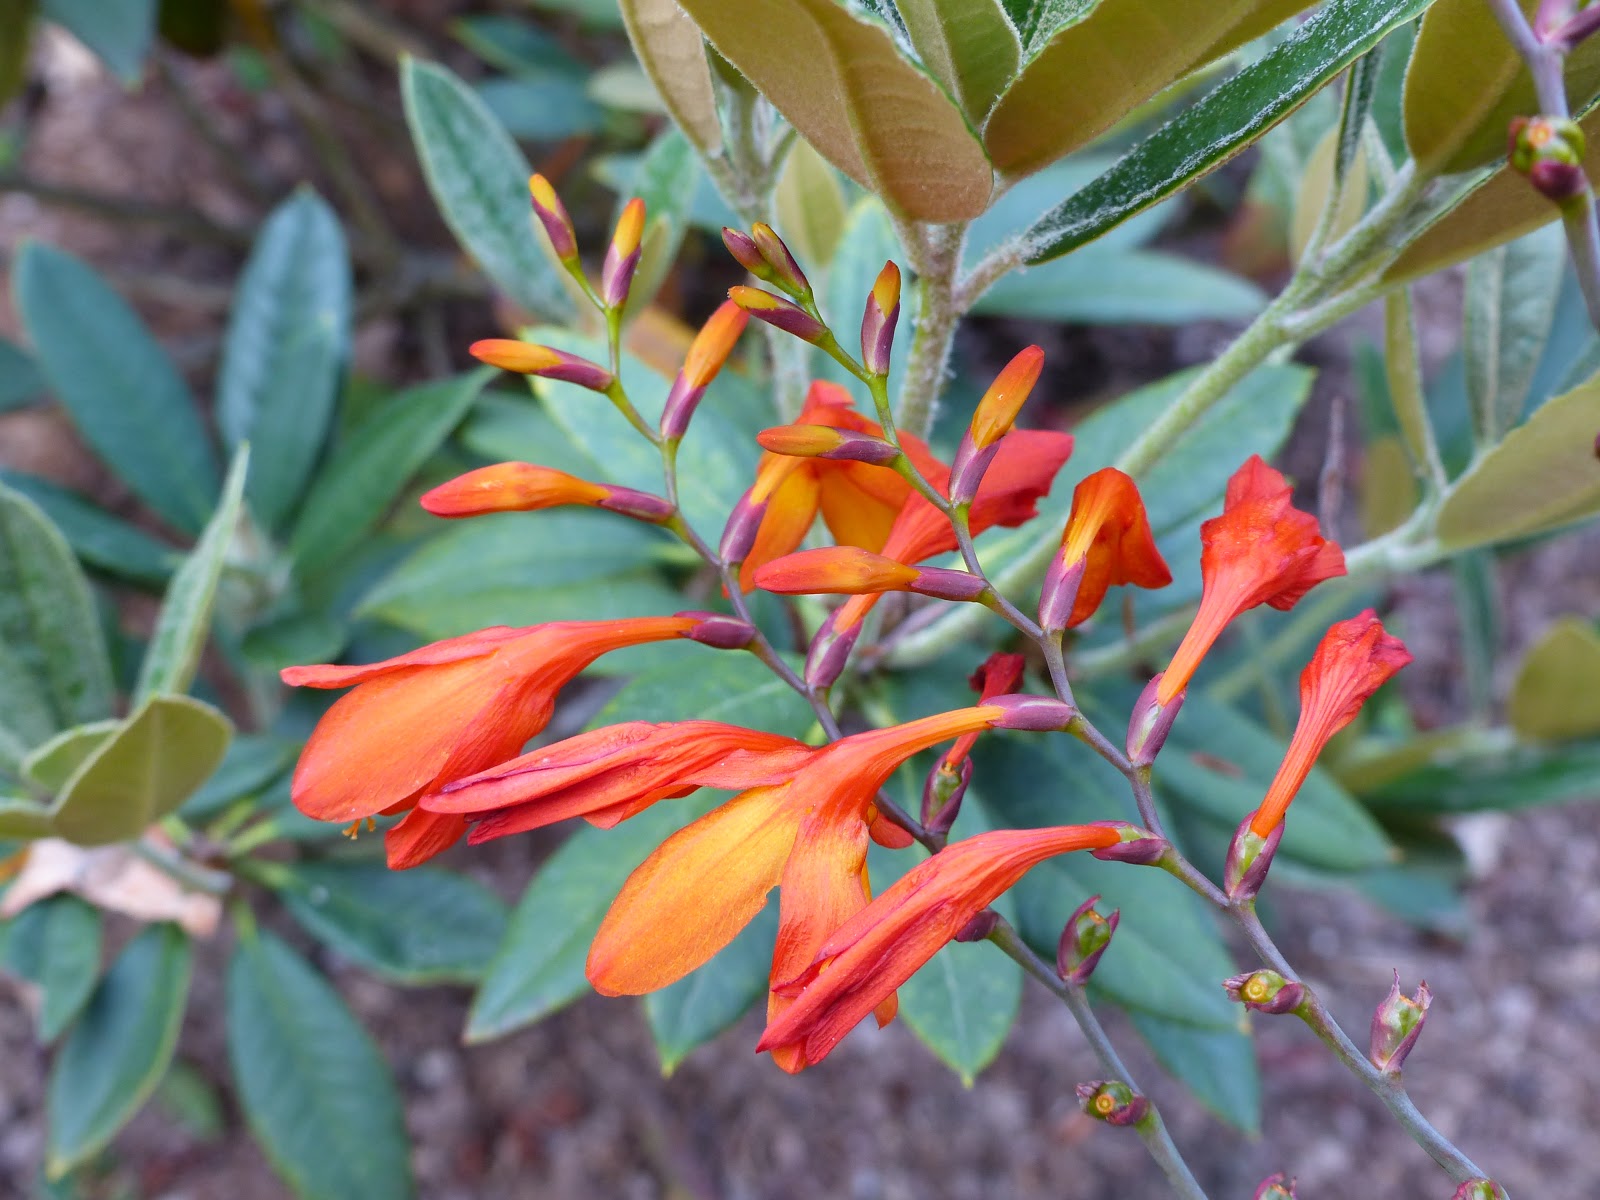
x: 439, y: 736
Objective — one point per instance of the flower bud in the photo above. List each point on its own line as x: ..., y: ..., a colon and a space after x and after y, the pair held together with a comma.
x: 707, y: 353
x: 980, y: 927
x: 1479, y: 1189
x: 1249, y: 858
x: 1275, y: 1187
x: 1059, y: 592
x: 779, y: 313
x: 942, y: 794
x: 523, y: 487
x: 997, y: 411
x: 1138, y: 846
x: 1150, y: 723
x: 1083, y: 941
x: 557, y: 224
x: 763, y: 253
x: 525, y: 358
x: 1565, y: 23
x: 1265, y: 991
x: 1112, y: 1101
x: 1033, y: 714
x: 744, y: 524
x: 720, y: 631
x: 622, y: 259
x: 878, y: 321
x: 1396, y: 1026
x: 829, y: 652
x: 743, y: 248
x: 826, y: 441
x: 1550, y: 153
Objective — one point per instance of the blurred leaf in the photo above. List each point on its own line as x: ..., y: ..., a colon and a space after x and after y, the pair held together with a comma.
x: 622, y: 87
x: 124, y: 394
x: 1210, y: 132
x: 838, y: 77
x: 287, y: 341
x: 671, y: 50
x: 50, y: 765
x: 119, y: 34
x: 364, y: 475
x: 23, y: 819
x: 539, y: 967
x: 1218, y: 1066
x: 1555, y: 696
x: 689, y: 1013
x: 183, y: 627
x: 1511, y: 297
x: 1466, y: 83
x: 866, y: 242
x: 599, y: 14
x: 1389, y: 492
x: 1316, y: 191
x: 1543, y: 475
x: 296, y: 637
x: 721, y: 687
x: 26, y: 716
x: 511, y: 43
x: 411, y: 927
x: 21, y: 383
x: 1478, y: 613
x: 101, y: 540
x: 54, y: 944
x: 313, y: 1086
x: 545, y: 109
x: 811, y: 208
x: 1403, y: 374
x: 666, y: 180
x: 16, y: 43
x: 1131, y: 49
x: 187, y: 1098
x: 1147, y: 287
x: 252, y: 762
x: 1491, y: 771
x: 970, y: 45
x: 166, y: 750
x: 119, y: 1049
x: 48, y: 623
x: 515, y: 428
x: 479, y: 180
x: 197, y: 27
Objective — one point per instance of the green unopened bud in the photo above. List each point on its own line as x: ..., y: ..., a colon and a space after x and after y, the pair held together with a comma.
x: 1480, y: 1189
x: 1396, y: 1025
x: 1083, y: 941
x: 1265, y: 991
x: 1549, y: 151
x: 1112, y: 1101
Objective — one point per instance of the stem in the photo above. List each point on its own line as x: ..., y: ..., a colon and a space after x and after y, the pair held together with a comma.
x: 191, y: 875
x: 938, y: 313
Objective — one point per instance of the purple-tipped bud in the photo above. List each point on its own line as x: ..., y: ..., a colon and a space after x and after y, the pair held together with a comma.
x: 622, y: 258
x: 824, y: 441
x: 1275, y: 1187
x: 720, y: 631
x: 744, y: 523
x: 641, y: 506
x: 1479, y: 1189
x: 1083, y: 941
x: 525, y: 358
x: 743, y: 248
x: 943, y: 584
x: 779, y: 313
x: 786, y: 272
x: 968, y: 468
x: 1033, y: 714
x: 553, y: 216
x: 879, y: 319
x: 942, y: 793
x: 829, y: 653
x: 1112, y: 1101
x: 1151, y: 720
x: 679, y: 410
x: 1265, y: 991
x: 1249, y: 859
x: 1549, y: 151
x: 1396, y: 1026
x: 1138, y: 846
x: 1060, y: 593
x: 1574, y: 30
x: 980, y: 927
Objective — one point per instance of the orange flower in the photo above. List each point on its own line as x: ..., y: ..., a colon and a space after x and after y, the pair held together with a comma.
x: 523, y: 487
x: 998, y: 675
x: 806, y: 834
x: 441, y: 712
x: 883, y: 944
x: 1354, y: 659
x: 707, y: 354
x: 1261, y: 550
x: 848, y: 571
x: 1106, y: 542
x: 622, y: 257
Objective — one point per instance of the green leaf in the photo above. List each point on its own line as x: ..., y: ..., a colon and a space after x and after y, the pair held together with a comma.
x: 672, y: 52
x: 1148, y: 287
x: 253, y: 761
x: 866, y: 242
x: 24, y: 820
x: 539, y: 967
x: 26, y: 717
x: 596, y: 14
x: 1316, y: 191
x: 1403, y: 373
x: 165, y: 750
x: 1220, y: 763
x: 317, y: 1093
x: 1478, y: 613
x: 1094, y: 70
x: 1466, y: 82
x: 99, y: 539
x: 970, y: 45
x: 287, y: 341
x: 119, y: 1049
x: 55, y: 944
x: 362, y: 478
x: 21, y: 383
x: 706, y: 1002
x: 1511, y: 298
x: 1218, y: 1066
x: 119, y: 34
x: 811, y: 207
x: 666, y: 180
x: 718, y: 687
x: 1554, y: 696
x: 838, y: 77
x: 184, y: 625
x: 1210, y: 132
x: 411, y: 927
x: 16, y: 44
x: 48, y: 623
x: 514, y: 428
x: 124, y: 394
x: 479, y: 180
x: 50, y: 765
x: 1544, y: 475
x: 1491, y: 771
x: 550, y: 108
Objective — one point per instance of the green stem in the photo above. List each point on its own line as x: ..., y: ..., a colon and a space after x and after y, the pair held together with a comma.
x: 938, y: 314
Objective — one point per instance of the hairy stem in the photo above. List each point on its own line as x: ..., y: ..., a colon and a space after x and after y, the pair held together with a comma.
x: 939, y: 311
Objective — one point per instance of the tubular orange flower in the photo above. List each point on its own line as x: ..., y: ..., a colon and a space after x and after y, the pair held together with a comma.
x: 707, y: 353
x: 849, y: 571
x: 1107, y: 541
x: 1261, y: 550
x: 883, y: 944
x: 444, y: 711
x: 1354, y: 659
x: 526, y: 358
x: 523, y: 487
x: 997, y: 411
x: 998, y: 675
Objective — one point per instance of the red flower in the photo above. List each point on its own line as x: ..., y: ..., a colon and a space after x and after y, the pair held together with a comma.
x: 881, y: 946
x: 1106, y: 542
x: 1354, y: 659
x: 441, y: 712
x: 1261, y: 550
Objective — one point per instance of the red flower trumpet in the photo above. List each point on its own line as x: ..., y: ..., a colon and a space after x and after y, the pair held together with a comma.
x: 1106, y: 542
